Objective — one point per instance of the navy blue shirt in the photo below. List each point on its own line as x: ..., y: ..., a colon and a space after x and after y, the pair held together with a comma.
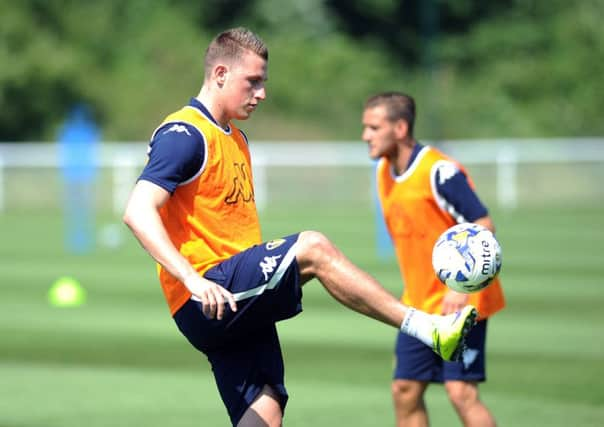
x: 176, y: 152
x: 453, y: 187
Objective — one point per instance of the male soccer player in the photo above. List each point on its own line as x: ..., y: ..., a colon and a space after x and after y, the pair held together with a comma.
x: 193, y: 210
x: 422, y: 193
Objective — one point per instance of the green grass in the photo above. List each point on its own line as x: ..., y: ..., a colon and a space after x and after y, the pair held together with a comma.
x: 119, y: 360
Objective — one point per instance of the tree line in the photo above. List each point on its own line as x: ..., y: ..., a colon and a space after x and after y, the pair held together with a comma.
x: 504, y: 68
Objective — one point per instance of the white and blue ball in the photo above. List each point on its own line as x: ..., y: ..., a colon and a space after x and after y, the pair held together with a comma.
x: 467, y: 257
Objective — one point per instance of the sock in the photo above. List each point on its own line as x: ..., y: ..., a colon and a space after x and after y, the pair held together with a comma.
x: 419, y: 324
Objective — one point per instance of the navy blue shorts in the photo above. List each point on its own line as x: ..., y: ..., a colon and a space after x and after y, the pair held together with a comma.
x: 243, y: 347
x: 416, y: 361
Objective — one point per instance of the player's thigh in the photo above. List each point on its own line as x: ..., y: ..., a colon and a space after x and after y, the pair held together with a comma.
x: 264, y: 280
x: 257, y: 269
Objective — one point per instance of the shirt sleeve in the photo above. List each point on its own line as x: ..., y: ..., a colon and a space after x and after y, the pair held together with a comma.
x: 176, y: 154
x: 457, y: 196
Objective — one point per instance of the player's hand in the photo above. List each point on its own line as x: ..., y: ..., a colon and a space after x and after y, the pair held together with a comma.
x: 454, y: 301
x: 212, y: 296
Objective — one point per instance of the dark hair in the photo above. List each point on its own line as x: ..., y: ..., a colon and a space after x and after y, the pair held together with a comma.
x: 398, y: 106
x: 230, y: 45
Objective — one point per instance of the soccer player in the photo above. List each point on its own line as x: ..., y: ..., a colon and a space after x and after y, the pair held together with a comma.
x: 193, y: 210
x: 422, y: 193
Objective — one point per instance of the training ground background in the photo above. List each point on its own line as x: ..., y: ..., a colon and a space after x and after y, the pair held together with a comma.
x: 119, y: 360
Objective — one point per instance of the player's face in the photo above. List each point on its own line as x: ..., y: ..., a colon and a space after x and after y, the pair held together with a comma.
x: 379, y: 133
x: 244, y: 86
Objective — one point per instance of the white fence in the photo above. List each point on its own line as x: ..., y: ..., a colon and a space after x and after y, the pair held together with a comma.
x: 507, y: 172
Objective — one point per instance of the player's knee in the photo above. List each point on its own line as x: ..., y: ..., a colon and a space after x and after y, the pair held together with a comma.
x: 462, y: 394
x: 407, y: 393
x: 313, y: 240
x: 314, y: 248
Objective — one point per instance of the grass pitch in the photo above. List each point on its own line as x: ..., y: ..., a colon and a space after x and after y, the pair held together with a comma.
x: 119, y: 360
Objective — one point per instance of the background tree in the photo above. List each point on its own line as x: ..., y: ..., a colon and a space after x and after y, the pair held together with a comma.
x: 505, y: 68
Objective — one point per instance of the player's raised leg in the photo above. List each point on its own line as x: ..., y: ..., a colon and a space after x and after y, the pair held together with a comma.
x: 356, y: 289
x: 353, y: 287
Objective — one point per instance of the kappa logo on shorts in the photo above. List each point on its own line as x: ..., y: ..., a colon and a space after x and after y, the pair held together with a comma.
x: 268, y: 265
x: 273, y: 244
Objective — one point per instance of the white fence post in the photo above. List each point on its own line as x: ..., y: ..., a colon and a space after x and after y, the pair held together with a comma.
x: 260, y: 183
x: 507, y: 164
x: 124, y: 176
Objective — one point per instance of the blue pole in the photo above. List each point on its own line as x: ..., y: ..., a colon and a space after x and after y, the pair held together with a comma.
x: 78, y: 142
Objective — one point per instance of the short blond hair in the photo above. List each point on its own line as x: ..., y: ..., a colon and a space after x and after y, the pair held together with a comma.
x: 230, y: 46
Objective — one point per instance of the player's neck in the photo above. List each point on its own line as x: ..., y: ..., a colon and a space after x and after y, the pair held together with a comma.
x: 206, y: 98
x: 401, y: 161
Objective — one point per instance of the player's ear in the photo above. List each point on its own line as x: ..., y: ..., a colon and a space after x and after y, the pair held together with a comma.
x: 401, y: 127
x: 219, y: 73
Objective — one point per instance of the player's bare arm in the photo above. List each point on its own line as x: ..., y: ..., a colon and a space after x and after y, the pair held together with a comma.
x: 142, y: 217
x: 454, y: 301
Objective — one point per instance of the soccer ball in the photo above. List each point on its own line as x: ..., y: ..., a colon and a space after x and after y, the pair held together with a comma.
x: 466, y: 257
